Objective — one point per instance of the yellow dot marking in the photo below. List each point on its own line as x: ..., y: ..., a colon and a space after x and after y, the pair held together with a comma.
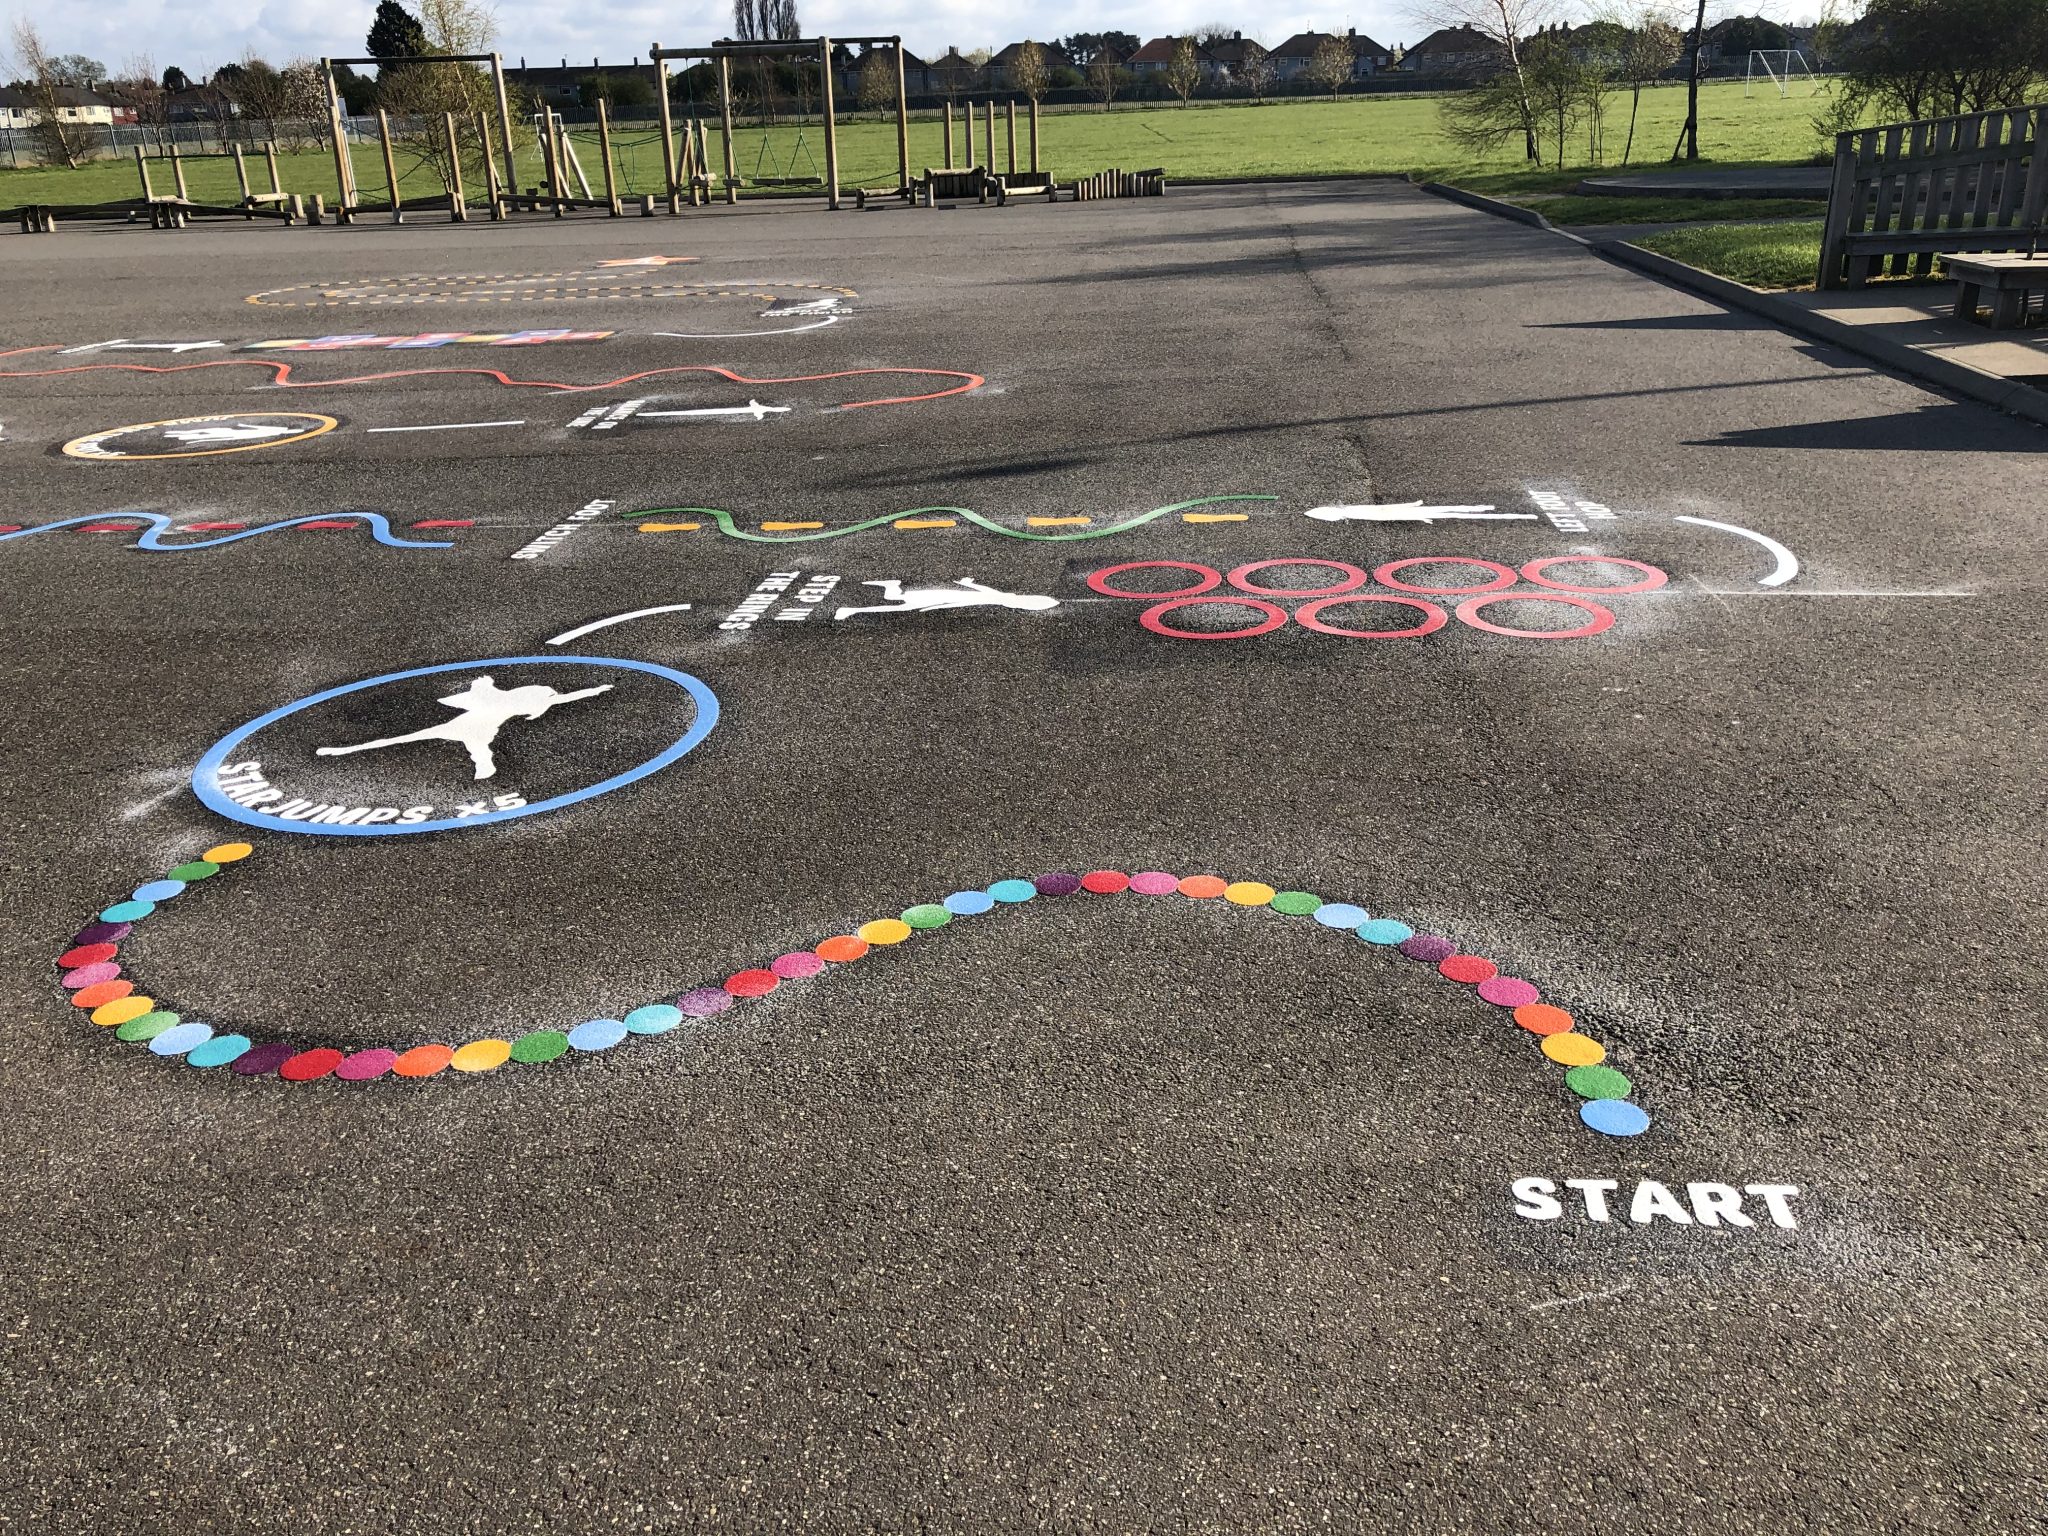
x: 1249, y: 893
x: 788, y: 527
x: 1215, y: 517
x: 670, y: 527
x: 1057, y: 522
x: 227, y: 853
x: 122, y: 1009
x: 1574, y: 1050
x: 481, y: 1056
x: 883, y: 930
x: 925, y: 522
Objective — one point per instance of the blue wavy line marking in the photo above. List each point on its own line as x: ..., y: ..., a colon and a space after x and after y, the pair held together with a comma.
x: 159, y: 525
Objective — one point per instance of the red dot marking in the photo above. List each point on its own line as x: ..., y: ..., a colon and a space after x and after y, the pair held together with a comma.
x: 106, y: 528
x: 308, y: 1065
x: 87, y: 954
x: 1468, y: 968
x: 754, y: 983
x: 1105, y: 882
x: 327, y: 523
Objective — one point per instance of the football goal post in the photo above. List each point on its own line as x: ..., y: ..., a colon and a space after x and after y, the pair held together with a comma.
x: 1778, y: 66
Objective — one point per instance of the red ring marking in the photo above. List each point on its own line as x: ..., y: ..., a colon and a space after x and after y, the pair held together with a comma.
x: 1097, y: 583
x: 1602, y: 620
x: 1355, y: 578
x: 1503, y: 575
x: 1653, y: 580
x: 1308, y: 616
x: 1275, y: 617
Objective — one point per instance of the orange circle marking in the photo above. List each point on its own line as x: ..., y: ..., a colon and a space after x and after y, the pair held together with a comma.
x: 1543, y: 1019
x: 101, y: 993
x: 841, y: 949
x: 423, y: 1061
x: 1202, y: 887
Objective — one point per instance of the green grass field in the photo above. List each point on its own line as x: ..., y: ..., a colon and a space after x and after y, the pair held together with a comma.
x: 1568, y: 210
x: 1761, y: 255
x: 1358, y: 135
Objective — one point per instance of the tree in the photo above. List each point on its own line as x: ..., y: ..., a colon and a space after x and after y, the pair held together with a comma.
x: 1506, y: 24
x: 55, y: 140
x: 1105, y: 78
x: 1689, y: 134
x: 1648, y: 45
x: 878, y: 79
x: 1082, y: 47
x: 1122, y: 44
x: 395, y: 33
x: 142, y: 89
x: 1209, y: 33
x: 764, y: 21
x: 1183, y: 70
x: 419, y: 94
x: 1330, y: 65
x: 1925, y: 58
x: 176, y: 80
x: 1556, y: 87
x: 1030, y: 72
x: 358, y: 92
x: 75, y: 69
x: 1256, y: 71
x: 615, y: 91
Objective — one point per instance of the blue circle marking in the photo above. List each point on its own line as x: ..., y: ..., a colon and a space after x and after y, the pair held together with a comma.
x: 127, y: 911
x: 1610, y: 1117
x: 654, y: 1019
x: 1340, y: 914
x: 597, y: 1034
x: 217, y: 1052
x: 1384, y: 930
x: 218, y: 754
x: 1013, y: 890
x: 158, y: 890
x: 180, y: 1038
x: 969, y: 903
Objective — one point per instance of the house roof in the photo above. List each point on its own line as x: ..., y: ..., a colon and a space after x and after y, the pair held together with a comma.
x: 1454, y: 40
x: 1054, y: 54
x: 64, y: 95
x: 1160, y: 51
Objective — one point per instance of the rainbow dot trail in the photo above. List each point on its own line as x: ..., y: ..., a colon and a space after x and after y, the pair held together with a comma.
x: 91, y: 971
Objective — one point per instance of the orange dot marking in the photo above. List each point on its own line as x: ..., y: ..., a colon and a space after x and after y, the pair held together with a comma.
x: 1202, y: 887
x: 423, y: 1060
x: 100, y: 993
x: 1543, y: 1019
x: 842, y: 949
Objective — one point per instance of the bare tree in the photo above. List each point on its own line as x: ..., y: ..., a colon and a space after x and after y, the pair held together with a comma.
x: 878, y: 80
x: 1183, y: 70
x: 42, y: 76
x: 146, y: 93
x: 1506, y: 24
x: 1256, y: 71
x: 1689, y: 135
x: 1105, y: 78
x: 419, y: 94
x: 1030, y: 72
x: 1209, y: 33
x: 1649, y: 45
x: 1330, y: 65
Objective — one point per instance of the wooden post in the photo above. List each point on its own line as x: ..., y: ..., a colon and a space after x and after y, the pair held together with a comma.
x: 319, y: 212
x: 505, y: 122
x: 242, y: 180
x: 990, y: 140
x: 1034, y: 135
x: 553, y: 152
x: 732, y: 173
x: 483, y: 138
x: 604, y: 144
x: 178, y: 170
x: 902, y: 120
x: 704, y: 158
x: 390, y: 166
x: 831, y: 126
x: 668, y: 133
x: 142, y: 168
x: 458, y: 212
x: 949, y: 135
x: 1010, y: 108
x: 344, y: 182
x: 270, y: 159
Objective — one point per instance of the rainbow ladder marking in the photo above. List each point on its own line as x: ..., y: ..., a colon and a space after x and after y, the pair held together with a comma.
x: 98, y: 987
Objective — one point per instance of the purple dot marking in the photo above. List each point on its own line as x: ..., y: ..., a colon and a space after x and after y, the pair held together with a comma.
x: 102, y: 933
x: 1429, y: 947
x: 1155, y: 882
x: 1508, y: 992
x: 795, y: 965
x: 704, y: 1002
x: 365, y: 1065
x: 262, y: 1060
x: 1058, y: 884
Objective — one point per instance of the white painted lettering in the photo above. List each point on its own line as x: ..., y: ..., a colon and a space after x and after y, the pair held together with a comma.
x: 1654, y: 1200
x: 1533, y: 1200
x: 1714, y: 1204
x: 1778, y: 1198
x: 1594, y: 1192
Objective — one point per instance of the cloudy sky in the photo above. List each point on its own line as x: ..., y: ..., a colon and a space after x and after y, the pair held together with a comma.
x: 197, y: 36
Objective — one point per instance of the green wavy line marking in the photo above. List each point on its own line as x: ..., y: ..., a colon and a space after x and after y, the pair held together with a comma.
x: 732, y: 530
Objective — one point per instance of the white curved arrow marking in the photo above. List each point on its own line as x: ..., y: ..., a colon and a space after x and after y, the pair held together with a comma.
x: 1788, y: 563
x: 618, y: 618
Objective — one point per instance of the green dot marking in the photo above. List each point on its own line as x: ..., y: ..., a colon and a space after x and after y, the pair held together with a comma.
x: 930, y: 915
x: 540, y: 1045
x: 198, y: 869
x: 146, y: 1026
x: 1597, y: 1083
x: 1296, y: 903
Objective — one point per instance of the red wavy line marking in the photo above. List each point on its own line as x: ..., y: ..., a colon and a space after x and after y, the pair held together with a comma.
x: 281, y: 376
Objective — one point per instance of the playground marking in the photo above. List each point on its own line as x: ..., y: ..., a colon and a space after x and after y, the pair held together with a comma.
x: 787, y: 527
x: 563, y: 529
x: 618, y: 618
x: 921, y: 522
x: 142, y: 346
x: 1057, y: 522
x: 452, y: 426
x: 915, y: 517
x: 1215, y: 517
x: 156, y: 525
x: 198, y: 437
x: 1787, y: 565
x: 1412, y: 512
x: 647, y: 261
x: 523, y: 288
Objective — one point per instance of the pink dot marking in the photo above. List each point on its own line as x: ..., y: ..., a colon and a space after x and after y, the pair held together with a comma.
x: 796, y: 964
x: 86, y: 975
x: 362, y: 1066
x: 1508, y: 992
x: 1154, y: 882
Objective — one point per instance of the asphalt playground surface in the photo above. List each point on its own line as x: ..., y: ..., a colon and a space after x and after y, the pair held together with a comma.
x: 1090, y: 1212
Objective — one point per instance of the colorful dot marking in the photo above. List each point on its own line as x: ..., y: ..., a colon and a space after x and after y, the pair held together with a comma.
x: 180, y: 1038
x: 754, y: 983
x: 217, y: 1052
x: 156, y: 890
x: 1340, y: 914
x: 101, y: 992
x: 599, y: 1034
x: 122, y: 1009
x: 481, y: 1056
x: 1202, y: 887
x: 1428, y: 947
x: 420, y: 1061
x: 87, y: 954
x: 968, y: 903
x: 842, y: 949
x: 1467, y: 968
x: 310, y: 1066
x: 1105, y: 882
x: 1249, y: 893
x: 927, y: 915
x: 885, y: 930
x: 198, y: 869
x: 146, y: 1026
x: 1543, y: 1019
x: 1615, y: 1117
x: 89, y: 975
x: 794, y: 966
x: 1573, y: 1050
x: 1155, y: 882
x: 540, y: 1045
x: 262, y: 1060
x: 1057, y: 884
x: 660, y: 1018
x: 227, y: 853
x: 128, y: 911
x: 365, y: 1066
x: 107, y: 931
x: 1013, y: 891
x: 1597, y: 1082
x: 1296, y: 903
x: 705, y: 1001
x: 1508, y: 992
x: 1384, y: 930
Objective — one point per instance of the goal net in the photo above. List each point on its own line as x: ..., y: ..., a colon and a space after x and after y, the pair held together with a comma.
x: 1779, y: 67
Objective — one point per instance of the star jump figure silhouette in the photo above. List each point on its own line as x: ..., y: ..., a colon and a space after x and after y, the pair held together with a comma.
x: 482, y: 710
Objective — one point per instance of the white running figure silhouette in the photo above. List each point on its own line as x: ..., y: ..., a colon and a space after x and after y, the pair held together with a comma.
x: 964, y: 593
x: 484, y: 709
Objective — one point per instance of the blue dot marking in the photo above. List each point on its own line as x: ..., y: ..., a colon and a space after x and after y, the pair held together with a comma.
x: 1384, y: 930
x: 127, y: 911
x: 597, y: 1034
x: 1340, y: 914
x: 159, y: 890
x: 180, y: 1038
x: 654, y: 1019
x: 1610, y: 1117
x: 217, y: 1052
x: 969, y: 903
x: 1013, y: 890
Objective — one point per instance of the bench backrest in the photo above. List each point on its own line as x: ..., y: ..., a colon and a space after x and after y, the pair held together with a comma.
x: 1985, y: 170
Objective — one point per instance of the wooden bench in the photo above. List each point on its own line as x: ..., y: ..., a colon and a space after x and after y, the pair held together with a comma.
x: 2013, y: 280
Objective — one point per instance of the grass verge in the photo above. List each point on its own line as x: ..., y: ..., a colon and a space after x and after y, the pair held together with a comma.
x: 1668, y: 210
x: 1760, y: 255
